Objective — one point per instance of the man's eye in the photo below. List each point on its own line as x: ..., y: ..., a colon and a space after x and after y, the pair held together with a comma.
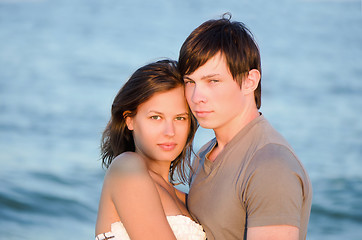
x: 188, y: 82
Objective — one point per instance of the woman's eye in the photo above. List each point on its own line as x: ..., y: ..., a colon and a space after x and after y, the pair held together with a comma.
x: 214, y: 81
x: 155, y: 117
x: 181, y: 118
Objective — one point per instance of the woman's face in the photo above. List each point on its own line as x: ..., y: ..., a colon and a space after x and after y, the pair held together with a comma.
x: 161, y: 125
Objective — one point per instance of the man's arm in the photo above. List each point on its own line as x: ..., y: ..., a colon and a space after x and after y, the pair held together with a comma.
x: 274, y: 195
x: 276, y: 232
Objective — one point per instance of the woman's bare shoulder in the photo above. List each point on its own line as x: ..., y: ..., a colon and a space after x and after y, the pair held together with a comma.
x: 128, y: 163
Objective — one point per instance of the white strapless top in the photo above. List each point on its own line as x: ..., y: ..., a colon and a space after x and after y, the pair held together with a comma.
x: 183, y: 227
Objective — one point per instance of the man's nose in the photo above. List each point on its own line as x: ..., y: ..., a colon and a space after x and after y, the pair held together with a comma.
x: 198, y: 95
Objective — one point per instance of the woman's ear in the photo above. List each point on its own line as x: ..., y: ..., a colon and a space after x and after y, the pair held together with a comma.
x: 128, y: 119
x: 251, y: 81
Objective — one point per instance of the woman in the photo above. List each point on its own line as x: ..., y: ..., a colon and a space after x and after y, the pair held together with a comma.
x: 147, y: 140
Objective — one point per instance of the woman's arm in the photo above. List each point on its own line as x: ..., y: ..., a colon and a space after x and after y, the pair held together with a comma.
x: 136, y: 198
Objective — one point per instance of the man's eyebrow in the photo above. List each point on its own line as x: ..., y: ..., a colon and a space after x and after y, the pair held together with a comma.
x: 209, y: 76
x: 203, y: 77
x: 187, y: 78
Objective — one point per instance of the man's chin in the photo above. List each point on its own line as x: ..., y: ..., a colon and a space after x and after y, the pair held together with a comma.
x: 206, y: 125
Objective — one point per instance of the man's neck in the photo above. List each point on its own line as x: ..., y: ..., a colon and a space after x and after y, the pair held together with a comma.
x: 226, y: 133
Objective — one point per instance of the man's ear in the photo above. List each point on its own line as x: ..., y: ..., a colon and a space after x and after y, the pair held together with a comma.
x: 251, y: 81
x: 128, y: 119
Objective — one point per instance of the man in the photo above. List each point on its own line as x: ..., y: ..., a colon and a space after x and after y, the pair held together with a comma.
x: 247, y: 182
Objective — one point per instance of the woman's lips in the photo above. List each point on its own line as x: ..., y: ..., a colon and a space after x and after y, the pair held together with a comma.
x: 167, y: 146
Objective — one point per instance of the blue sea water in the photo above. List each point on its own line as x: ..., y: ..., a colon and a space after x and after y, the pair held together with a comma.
x: 62, y: 62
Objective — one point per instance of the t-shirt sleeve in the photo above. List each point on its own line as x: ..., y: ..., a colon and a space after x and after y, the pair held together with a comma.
x: 273, y: 193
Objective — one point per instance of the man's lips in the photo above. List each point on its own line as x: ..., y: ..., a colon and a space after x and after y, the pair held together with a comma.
x: 201, y: 114
x: 167, y: 146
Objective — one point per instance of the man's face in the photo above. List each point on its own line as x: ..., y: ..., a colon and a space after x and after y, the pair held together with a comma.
x: 215, y: 98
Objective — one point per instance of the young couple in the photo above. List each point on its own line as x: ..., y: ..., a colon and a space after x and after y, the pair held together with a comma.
x: 246, y: 183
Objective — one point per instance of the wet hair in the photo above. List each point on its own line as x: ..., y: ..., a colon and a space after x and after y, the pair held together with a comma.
x: 157, y: 77
x: 233, y: 39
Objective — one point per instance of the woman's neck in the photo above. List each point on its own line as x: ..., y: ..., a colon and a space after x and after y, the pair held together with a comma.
x: 160, y: 168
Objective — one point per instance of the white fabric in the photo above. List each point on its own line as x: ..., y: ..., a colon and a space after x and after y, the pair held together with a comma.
x: 183, y: 227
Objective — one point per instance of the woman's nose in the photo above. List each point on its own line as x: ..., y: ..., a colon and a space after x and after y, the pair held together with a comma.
x: 169, y: 128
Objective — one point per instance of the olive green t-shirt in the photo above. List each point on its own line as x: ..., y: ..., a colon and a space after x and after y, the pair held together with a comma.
x: 256, y: 180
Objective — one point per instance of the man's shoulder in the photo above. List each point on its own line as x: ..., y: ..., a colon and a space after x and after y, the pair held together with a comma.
x: 272, y: 153
x: 266, y: 134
